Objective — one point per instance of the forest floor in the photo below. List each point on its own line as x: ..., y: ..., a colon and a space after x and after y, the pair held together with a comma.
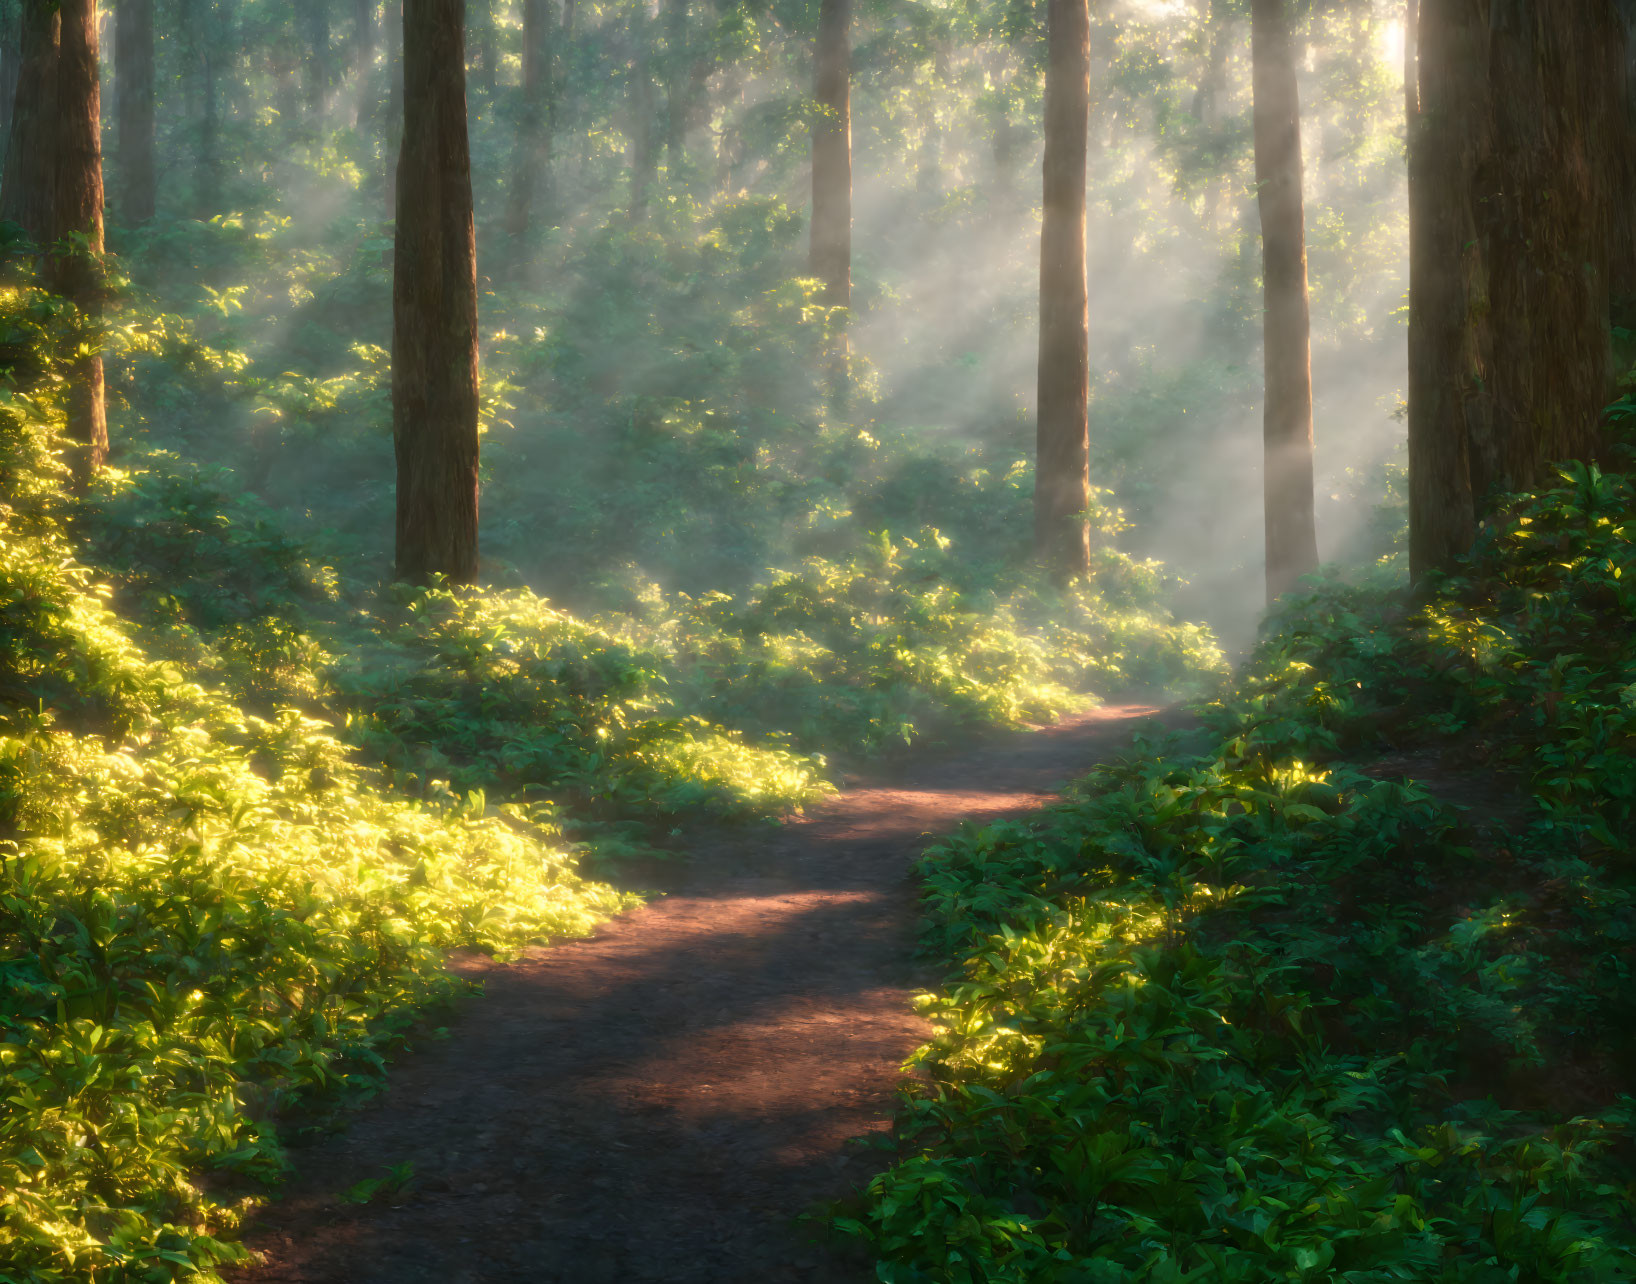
x: 663, y: 1101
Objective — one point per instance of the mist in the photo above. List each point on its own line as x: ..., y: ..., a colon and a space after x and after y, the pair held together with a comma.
x: 621, y: 356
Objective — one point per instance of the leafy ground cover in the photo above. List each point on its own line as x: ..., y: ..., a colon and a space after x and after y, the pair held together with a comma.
x: 1260, y: 1007
x: 249, y: 801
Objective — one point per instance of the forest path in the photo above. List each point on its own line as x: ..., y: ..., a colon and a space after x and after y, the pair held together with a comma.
x: 660, y: 1102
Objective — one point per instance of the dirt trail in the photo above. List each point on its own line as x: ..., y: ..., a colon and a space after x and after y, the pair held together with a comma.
x: 660, y: 1102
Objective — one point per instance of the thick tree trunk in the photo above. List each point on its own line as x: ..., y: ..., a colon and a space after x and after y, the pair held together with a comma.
x: 74, y: 269
x: 531, y: 156
x: 1062, y: 478
x: 1516, y: 205
x: 831, y: 246
x: 1292, y: 541
x: 11, y: 66
x: 133, y: 56
x: 434, y: 305
x: 28, y: 186
x: 1623, y: 268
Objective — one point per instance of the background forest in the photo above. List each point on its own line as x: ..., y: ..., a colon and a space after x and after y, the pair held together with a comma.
x: 1335, y: 987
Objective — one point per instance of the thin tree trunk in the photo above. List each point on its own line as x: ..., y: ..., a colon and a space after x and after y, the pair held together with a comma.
x: 210, y: 164
x: 1292, y: 541
x: 1062, y: 477
x: 434, y: 305
x: 28, y: 185
x: 677, y: 68
x: 531, y: 156
x: 644, y: 157
x: 831, y: 247
x: 133, y: 56
x: 74, y: 269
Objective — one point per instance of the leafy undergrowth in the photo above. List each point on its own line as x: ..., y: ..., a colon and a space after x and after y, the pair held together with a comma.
x: 1263, y: 1012
x: 206, y: 915
x: 247, y: 805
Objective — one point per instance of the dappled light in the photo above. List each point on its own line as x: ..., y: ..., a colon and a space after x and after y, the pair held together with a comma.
x: 916, y: 642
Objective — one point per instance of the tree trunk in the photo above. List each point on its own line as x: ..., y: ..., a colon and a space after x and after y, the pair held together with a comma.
x: 644, y: 157
x: 11, y: 66
x: 1292, y: 541
x: 1062, y: 478
x: 28, y: 185
x: 677, y: 69
x: 831, y: 246
x: 1623, y: 268
x: 1515, y: 205
x: 318, y: 73
x: 133, y: 56
x: 532, y: 154
x: 74, y: 269
x: 434, y: 305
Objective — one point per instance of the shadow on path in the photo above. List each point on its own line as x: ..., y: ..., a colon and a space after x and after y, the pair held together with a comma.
x: 661, y: 1101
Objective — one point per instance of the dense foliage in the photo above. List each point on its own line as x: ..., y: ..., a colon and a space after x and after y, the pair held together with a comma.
x: 1340, y: 992
x: 248, y: 803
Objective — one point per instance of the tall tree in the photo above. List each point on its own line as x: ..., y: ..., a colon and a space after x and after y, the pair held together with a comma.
x: 74, y: 267
x: 678, y: 108
x: 320, y: 71
x: 28, y: 186
x: 1291, y: 532
x: 1062, y: 477
x: 644, y: 156
x: 434, y: 304
x: 11, y: 66
x: 133, y: 56
x: 531, y: 157
x: 1516, y: 204
x: 831, y: 245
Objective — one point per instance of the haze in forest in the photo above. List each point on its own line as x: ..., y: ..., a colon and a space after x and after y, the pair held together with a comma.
x: 945, y: 237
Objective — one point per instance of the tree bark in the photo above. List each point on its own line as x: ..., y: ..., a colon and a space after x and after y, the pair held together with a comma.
x: 29, y: 183
x: 677, y: 69
x: 133, y: 56
x: 1062, y: 478
x: 11, y: 66
x: 644, y: 157
x: 1516, y: 205
x: 831, y: 245
x: 531, y: 156
x: 1292, y: 541
x: 434, y: 305
x: 74, y: 268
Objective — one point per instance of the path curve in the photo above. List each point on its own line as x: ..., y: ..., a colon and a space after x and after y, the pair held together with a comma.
x: 660, y: 1102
